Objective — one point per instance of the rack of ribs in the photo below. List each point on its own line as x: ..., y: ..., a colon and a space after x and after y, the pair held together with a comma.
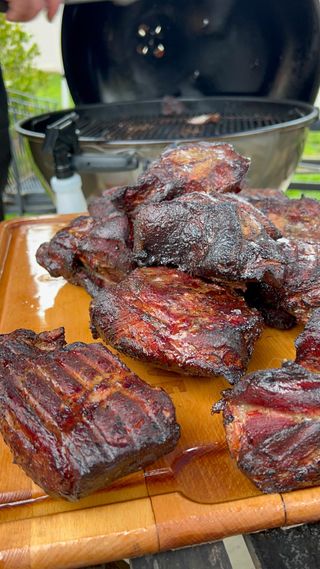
x: 178, y: 322
x: 210, y: 236
x: 75, y: 417
x: 272, y: 426
x: 90, y: 251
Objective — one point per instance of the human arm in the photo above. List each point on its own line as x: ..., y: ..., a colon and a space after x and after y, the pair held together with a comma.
x: 25, y: 10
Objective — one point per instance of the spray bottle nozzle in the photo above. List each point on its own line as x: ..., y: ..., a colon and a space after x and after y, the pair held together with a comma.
x: 62, y: 142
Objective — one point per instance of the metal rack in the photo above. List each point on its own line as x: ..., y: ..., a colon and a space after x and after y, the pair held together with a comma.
x: 25, y: 192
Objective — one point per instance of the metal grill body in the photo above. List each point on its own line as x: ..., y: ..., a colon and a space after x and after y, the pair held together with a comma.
x: 272, y: 133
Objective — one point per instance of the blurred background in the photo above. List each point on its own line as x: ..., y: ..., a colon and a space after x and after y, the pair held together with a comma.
x: 31, y: 59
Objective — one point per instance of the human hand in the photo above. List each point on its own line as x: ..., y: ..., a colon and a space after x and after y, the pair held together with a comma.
x: 25, y: 10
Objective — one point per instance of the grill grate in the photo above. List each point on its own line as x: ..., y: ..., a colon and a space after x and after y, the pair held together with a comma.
x: 145, y: 121
x: 157, y: 127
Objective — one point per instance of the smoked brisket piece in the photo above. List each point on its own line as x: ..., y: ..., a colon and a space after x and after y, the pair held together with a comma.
x: 272, y: 425
x: 193, y: 167
x: 308, y: 343
x: 90, y: 252
x: 210, y: 236
x: 299, y: 293
x: 166, y: 317
x: 295, y: 218
x: 74, y: 416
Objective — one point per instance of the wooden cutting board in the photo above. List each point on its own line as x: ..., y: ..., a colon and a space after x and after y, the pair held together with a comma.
x: 194, y: 494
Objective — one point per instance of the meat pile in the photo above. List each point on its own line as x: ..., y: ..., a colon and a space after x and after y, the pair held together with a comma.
x: 181, y: 216
x: 75, y: 417
x: 184, y: 268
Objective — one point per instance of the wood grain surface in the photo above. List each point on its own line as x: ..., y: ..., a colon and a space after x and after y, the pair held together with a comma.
x: 193, y: 495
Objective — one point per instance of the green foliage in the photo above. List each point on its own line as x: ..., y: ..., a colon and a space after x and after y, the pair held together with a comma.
x: 312, y: 146
x: 18, y: 54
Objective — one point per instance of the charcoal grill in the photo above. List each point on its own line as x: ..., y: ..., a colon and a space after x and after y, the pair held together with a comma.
x: 271, y: 132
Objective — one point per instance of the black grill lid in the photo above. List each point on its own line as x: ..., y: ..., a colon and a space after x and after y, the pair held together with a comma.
x: 190, y: 48
x: 145, y: 121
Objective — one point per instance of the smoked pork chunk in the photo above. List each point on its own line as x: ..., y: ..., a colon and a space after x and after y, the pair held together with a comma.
x: 74, y: 416
x: 299, y: 294
x: 209, y: 236
x: 192, y: 167
x: 166, y: 317
x: 308, y: 343
x: 103, y: 206
x: 90, y: 252
x: 272, y: 425
x: 295, y: 218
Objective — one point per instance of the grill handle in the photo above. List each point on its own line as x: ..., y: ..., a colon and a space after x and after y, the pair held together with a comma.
x: 105, y: 162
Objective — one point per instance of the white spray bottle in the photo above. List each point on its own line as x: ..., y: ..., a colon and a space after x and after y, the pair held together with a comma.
x: 62, y: 142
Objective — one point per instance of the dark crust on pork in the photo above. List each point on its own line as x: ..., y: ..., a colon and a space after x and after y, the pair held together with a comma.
x: 265, y: 299
x: 272, y: 426
x: 103, y: 206
x: 177, y: 322
x: 295, y: 218
x: 299, y: 294
x: 308, y: 343
x: 74, y: 416
x: 193, y: 167
x: 90, y: 252
x: 210, y: 237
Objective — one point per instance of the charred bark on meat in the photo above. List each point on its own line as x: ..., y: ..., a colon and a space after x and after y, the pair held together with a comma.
x: 295, y: 218
x: 208, y: 237
x: 90, y: 252
x: 193, y: 167
x: 299, y: 293
x: 272, y: 427
x: 308, y: 343
x: 75, y: 417
x: 177, y: 322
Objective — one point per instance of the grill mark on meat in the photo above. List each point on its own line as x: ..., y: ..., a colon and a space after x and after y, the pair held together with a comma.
x: 23, y: 419
x: 23, y: 402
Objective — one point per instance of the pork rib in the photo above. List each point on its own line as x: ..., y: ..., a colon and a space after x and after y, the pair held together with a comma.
x: 90, y: 252
x: 175, y: 321
x: 74, y: 416
x: 295, y: 218
x: 193, y: 167
x: 209, y: 236
x: 299, y: 293
x: 272, y: 427
x: 103, y: 206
